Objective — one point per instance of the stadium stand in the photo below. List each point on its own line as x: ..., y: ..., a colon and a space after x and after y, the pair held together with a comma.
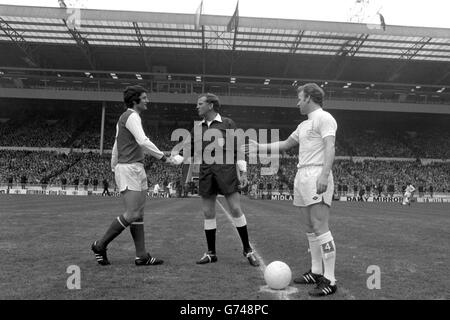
x: 370, y: 134
x: 34, y: 166
x: 53, y: 167
x: 58, y: 104
x: 360, y: 134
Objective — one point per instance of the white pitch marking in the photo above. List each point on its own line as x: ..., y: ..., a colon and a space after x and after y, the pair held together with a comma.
x: 288, y: 290
x: 281, y: 294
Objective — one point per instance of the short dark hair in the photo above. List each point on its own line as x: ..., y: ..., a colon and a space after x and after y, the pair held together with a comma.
x: 132, y: 93
x: 314, y: 91
x: 212, y: 98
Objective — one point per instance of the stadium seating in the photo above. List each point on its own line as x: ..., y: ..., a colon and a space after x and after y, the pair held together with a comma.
x: 33, y: 165
x: 66, y: 127
x: 52, y: 167
x: 397, y: 173
x: 358, y: 134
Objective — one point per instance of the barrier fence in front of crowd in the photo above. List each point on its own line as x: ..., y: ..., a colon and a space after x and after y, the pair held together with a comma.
x: 71, y: 190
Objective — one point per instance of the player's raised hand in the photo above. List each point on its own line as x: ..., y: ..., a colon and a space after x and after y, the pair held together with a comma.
x: 251, y: 147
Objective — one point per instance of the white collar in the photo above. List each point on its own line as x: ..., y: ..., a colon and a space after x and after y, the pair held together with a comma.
x: 218, y: 118
x: 314, y: 114
x: 133, y: 110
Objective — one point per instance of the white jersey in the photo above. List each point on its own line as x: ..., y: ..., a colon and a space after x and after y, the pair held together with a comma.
x: 410, y: 189
x: 408, y: 192
x: 310, y: 134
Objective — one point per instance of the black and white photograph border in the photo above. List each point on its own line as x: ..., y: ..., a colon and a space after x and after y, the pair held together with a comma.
x: 259, y: 153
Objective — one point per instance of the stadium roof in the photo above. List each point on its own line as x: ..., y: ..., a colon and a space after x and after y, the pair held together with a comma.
x: 118, y: 28
x: 28, y: 26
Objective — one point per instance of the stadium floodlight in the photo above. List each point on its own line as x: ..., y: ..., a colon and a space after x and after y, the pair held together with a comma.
x: 345, y: 87
x: 1, y: 73
x: 441, y: 90
x: 266, y: 82
x: 326, y: 82
x: 169, y: 77
x: 198, y: 78
x: 294, y: 83
x: 59, y: 75
x: 138, y: 76
x: 349, y: 84
x: 232, y: 80
x: 87, y: 74
x: 418, y: 87
x: 114, y: 76
x: 372, y: 85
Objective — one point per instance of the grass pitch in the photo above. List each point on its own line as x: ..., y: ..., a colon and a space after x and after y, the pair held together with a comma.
x: 41, y: 236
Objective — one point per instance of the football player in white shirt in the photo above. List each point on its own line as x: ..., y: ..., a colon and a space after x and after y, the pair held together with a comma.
x: 313, y: 186
x: 408, y: 192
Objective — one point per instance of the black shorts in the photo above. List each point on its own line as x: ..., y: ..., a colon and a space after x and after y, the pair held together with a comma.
x: 218, y: 179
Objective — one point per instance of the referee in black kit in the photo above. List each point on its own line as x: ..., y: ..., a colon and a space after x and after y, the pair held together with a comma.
x: 220, y: 178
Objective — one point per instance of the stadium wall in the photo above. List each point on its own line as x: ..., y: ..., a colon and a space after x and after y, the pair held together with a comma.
x: 256, y: 101
x: 274, y: 196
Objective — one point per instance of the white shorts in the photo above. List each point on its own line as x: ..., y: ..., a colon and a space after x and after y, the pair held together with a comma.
x: 130, y: 176
x: 407, y: 194
x: 305, y: 188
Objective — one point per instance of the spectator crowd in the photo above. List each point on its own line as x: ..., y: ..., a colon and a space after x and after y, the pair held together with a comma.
x: 90, y: 169
x: 82, y: 130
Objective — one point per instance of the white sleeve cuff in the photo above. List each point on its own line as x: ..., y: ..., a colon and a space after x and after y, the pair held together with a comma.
x: 242, y: 165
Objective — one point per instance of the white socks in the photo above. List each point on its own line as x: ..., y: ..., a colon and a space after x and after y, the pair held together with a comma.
x: 210, y: 224
x: 240, y: 222
x: 316, y: 254
x: 328, y: 251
